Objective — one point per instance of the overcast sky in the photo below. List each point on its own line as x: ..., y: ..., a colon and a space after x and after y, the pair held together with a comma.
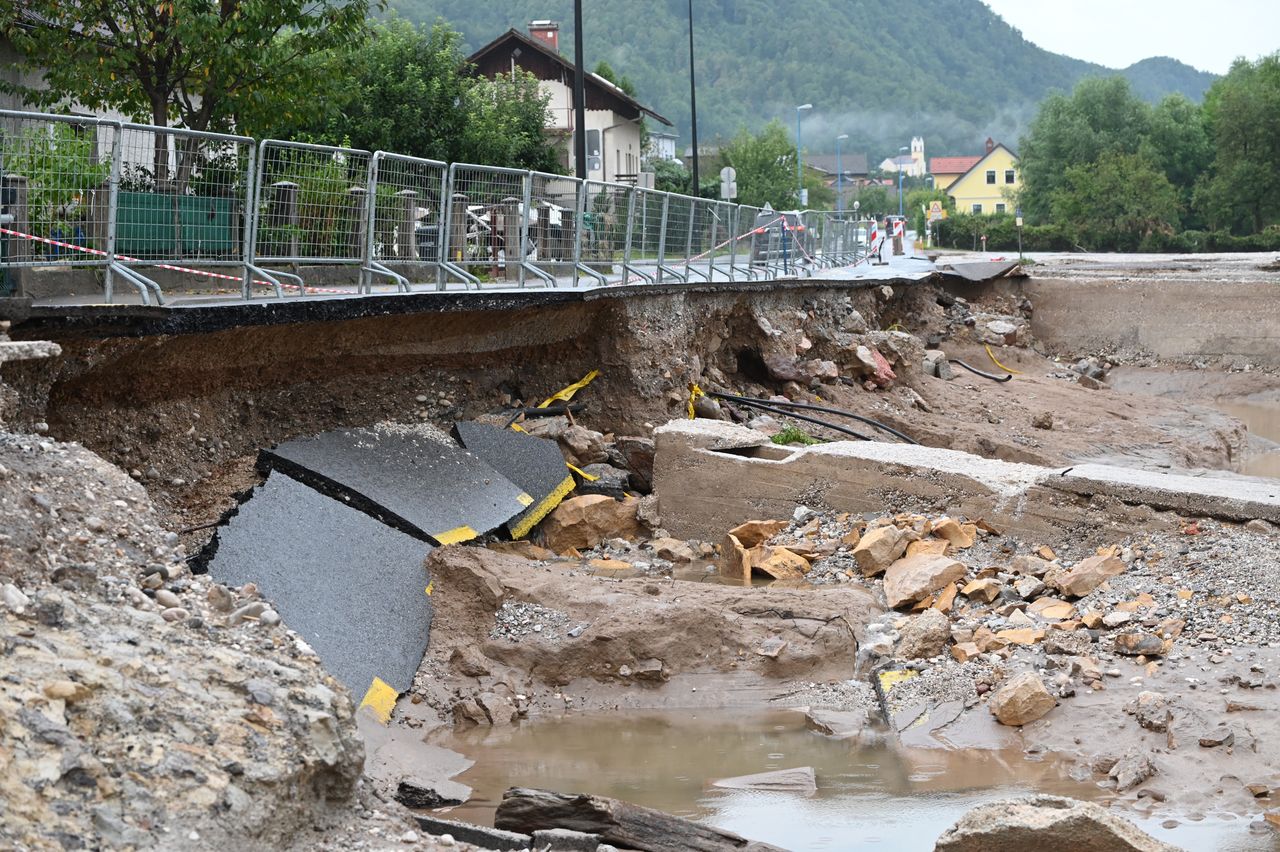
x: 1117, y: 33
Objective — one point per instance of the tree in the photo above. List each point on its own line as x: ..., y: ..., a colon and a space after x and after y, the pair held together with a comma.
x: 1242, y: 112
x: 230, y: 65
x: 875, y: 201
x: 919, y: 200
x: 408, y: 89
x: 1101, y: 115
x: 766, y: 166
x: 1120, y: 200
x: 669, y: 176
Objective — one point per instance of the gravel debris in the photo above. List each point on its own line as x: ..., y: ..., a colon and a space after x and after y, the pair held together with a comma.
x: 516, y: 621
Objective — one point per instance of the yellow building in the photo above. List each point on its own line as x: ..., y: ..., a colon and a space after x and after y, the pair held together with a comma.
x: 988, y: 186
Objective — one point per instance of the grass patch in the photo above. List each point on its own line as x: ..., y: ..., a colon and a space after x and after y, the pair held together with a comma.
x: 792, y: 435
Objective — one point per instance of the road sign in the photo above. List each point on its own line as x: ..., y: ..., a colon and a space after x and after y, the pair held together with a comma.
x: 936, y: 212
x: 804, y: 197
x: 728, y: 183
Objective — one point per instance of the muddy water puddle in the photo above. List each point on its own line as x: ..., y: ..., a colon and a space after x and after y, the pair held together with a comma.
x: 868, y: 797
x: 1263, y: 420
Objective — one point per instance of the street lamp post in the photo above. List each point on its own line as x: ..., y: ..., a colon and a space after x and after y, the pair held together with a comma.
x: 799, y: 166
x: 839, y: 175
x: 901, y: 151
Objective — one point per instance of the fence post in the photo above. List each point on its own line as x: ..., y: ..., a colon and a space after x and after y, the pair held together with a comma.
x: 17, y: 249
x: 355, y: 242
x: 113, y: 201
x: 662, y: 238
x: 688, y: 241
x: 579, y: 220
x: 626, y: 243
x: 250, y: 221
x: 406, y: 247
x: 284, y: 214
x: 526, y: 214
x: 735, y: 215
x: 512, y: 237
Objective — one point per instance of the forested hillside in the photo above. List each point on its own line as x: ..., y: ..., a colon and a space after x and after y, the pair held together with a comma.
x: 949, y: 70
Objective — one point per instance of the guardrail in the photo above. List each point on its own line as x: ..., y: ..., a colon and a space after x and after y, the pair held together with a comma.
x: 173, y: 210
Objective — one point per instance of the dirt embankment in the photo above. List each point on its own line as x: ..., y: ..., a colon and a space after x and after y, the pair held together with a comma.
x: 186, y: 414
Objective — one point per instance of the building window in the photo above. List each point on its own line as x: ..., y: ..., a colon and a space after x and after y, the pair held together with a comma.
x: 977, y: 208
x: 991, y: 175
x: 1010, y: 176
x: 1000, y: 208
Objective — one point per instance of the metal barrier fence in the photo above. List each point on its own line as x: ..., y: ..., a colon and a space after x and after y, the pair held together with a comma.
x: 405, y: 212
x: 250, y: 217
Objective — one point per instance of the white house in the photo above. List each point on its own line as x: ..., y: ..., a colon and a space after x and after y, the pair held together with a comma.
x: 911, y: 165
x: 613, y: 117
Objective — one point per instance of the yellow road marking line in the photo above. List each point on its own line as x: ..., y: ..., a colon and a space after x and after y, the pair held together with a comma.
x: 380, y: 699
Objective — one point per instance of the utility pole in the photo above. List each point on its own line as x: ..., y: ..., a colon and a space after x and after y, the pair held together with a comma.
x: 693, y: 105
x: 579, y: 96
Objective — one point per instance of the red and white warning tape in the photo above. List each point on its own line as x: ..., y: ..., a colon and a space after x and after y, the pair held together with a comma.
x: 127, y: 259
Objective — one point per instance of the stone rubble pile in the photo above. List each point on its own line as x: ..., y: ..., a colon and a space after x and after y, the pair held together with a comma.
x: 142, y: 705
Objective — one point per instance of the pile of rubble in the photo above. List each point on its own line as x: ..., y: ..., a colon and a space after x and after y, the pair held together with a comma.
x: 141, y: 702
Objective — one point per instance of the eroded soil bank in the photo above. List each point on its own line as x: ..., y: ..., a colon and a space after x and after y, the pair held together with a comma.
x: 184, y: 416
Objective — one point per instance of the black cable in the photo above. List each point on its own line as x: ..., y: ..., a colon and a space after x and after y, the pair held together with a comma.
x: 810, y: 407
x: 982, y: 373
x: 748, y: 401
x: 549, y: 411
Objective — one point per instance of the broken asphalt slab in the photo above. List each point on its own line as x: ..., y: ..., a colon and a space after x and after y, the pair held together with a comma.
x: 534, y: 464
x: 353, y: 588
x: 415, y: 479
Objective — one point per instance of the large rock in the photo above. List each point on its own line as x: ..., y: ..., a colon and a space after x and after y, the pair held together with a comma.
x: 1086, y: 575
x: 1045, y: 824
x: 637, y: 454
x: 582, y: 446
x: 1022, y: 700
x: 753, y: 533
x: 583, y: 522
x: 916, y: 577
x: 878, y: 549
x: 925, y: 635
x: 779, y: 563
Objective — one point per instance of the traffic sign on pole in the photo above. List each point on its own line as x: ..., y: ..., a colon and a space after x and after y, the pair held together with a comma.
x: 728, y: 183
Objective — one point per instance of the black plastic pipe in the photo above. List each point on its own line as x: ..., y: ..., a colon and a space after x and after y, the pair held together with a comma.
x: 983, y: 373
x: 764, y: 406
x: 823, y: 408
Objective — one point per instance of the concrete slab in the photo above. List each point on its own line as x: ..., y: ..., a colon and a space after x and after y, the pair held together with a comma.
x: 414, y: 478
x: 478, y: 835
x: 534, y: 464
x: 353, y: 588
x: 1238, y: 498
x: 711, y: 476
x: 982, y: 270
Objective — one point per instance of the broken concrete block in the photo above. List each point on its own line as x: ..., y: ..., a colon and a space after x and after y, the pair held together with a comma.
x: 798, y: 780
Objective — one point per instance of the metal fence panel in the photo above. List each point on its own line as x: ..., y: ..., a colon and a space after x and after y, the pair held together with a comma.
x: 486, y: 226
x: 55, y: 189
x: 183, y: 196
x: 404, y: 215
x: 602, y: 236
x: 646, y: 234
x: 309, y: 203
x: 554, y: 223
